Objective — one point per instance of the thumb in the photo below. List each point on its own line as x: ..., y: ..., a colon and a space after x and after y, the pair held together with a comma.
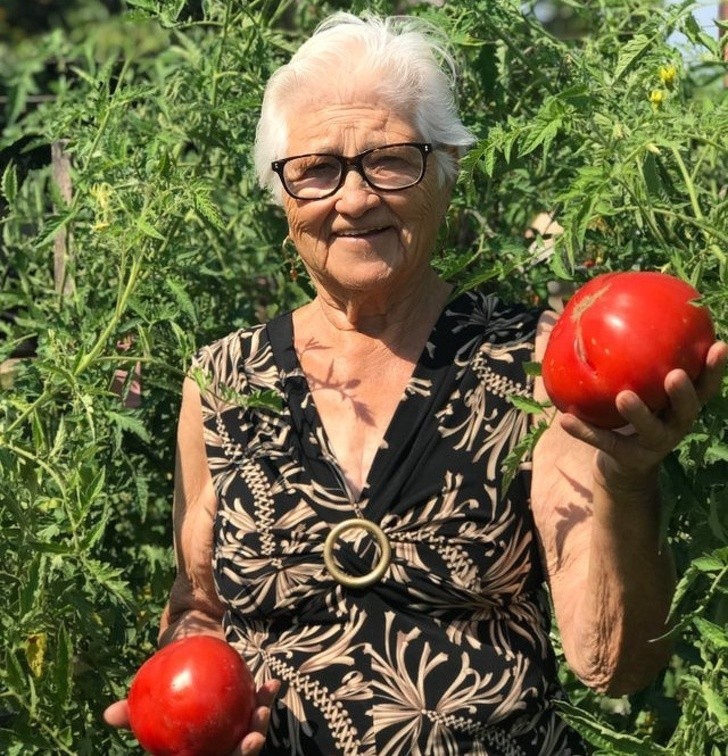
x: 117, y: 714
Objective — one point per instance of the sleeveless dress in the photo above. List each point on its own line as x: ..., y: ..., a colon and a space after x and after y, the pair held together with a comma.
x: 449, y: 652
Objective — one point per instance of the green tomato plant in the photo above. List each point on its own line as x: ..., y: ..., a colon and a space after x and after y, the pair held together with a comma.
x: 133, y: 232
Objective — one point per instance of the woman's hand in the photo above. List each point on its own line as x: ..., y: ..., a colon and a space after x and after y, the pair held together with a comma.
x: 117, y: 715
x: 253, y: 742
x: 631, y: 456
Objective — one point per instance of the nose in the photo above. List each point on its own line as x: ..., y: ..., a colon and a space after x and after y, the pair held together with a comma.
x: 355, y: 196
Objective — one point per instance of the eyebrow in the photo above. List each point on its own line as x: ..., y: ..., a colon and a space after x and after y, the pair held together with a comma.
x: 331, y: 151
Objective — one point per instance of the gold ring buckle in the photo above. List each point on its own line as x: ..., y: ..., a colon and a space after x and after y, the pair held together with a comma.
x: 362, y: 581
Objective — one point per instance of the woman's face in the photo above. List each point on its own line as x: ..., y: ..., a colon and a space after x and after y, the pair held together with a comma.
x: 361, y: 239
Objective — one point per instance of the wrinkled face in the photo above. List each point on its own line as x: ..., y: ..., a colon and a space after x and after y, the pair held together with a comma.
x: 361, y: 239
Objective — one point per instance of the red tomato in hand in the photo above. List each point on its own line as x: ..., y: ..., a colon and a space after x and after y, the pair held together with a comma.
x: 194, y: 697
x: 624, y: 331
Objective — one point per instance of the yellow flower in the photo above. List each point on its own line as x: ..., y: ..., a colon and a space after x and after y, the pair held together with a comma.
x: 668, y: 74
x: 101, y: 193
x: 657, y: 97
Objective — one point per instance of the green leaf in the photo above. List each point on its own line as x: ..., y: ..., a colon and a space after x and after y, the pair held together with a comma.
x: 716, y: 452
x: 109, y: 578
x: 62, y: 669
x: 526, y: 404
x: 148, y: 230
x: 716, y: 705
x: 715, y: 635
x: 543, y: 134
x: 60, y: 438
x: 206, y: 208
x: 532, y: 369
x: 182, y: 298
x: 148, y: 5
x: 32, y: 585
x: 698, y: 37
x: 599, y: 734
x: 91, y: 487
x: 708, y: 564
x: 630, y: 53
x: 94, y: 534
x: 14, y: 673
x: 9, y: 183
x: 520, y: 452
x: 651, y: 175
x: 128, y: 422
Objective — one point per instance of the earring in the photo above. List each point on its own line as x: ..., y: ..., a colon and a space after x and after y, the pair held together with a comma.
x: 289, y: 253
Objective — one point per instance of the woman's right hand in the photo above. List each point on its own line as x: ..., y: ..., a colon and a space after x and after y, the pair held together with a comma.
x: 252, y: 744
x: 117, y: 715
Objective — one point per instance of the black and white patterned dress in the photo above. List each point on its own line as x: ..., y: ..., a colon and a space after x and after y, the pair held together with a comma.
x: 449, y: 652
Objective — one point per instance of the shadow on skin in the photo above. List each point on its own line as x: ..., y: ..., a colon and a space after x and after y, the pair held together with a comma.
x: 345, y: 389
x: 570, y: 516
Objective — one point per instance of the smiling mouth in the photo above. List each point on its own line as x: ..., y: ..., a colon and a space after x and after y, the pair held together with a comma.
x: 366, y: 233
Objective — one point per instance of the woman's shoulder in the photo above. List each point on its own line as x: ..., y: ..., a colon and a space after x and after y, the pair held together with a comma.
x: 496, y: 318
x: 240, y: 360
x: 236, y: 344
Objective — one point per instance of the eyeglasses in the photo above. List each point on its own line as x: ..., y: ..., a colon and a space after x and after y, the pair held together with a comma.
x: 388, y: 169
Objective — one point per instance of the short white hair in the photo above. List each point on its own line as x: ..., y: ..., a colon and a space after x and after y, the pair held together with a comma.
x: 406, y: 56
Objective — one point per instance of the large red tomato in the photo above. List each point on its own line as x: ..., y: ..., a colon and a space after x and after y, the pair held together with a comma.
x: 193, y: 697
x: 624, y: 331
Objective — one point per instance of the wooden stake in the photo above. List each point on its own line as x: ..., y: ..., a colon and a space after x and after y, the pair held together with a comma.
x: 62, y: 252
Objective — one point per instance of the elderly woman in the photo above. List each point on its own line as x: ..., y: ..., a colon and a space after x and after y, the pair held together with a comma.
x: 360, y: 546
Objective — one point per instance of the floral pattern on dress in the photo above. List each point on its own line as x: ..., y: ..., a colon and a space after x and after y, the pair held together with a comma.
x: 449, y: 653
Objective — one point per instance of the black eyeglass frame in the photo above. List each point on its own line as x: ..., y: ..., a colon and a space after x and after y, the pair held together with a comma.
x: 356, y: 162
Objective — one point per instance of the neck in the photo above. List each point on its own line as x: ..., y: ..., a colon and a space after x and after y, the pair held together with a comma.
x: 385, y: 315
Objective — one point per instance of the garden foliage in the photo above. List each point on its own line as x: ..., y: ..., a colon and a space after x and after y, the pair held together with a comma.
x: 619, y: 132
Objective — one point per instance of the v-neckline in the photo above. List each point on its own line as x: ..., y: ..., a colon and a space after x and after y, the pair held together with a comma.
x: 436, y: 358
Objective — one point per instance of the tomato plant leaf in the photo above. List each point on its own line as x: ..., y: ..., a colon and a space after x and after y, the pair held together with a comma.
x: 532, y: 369
x: 526, y: 404
x: 148, y: 229
x: 716, y: 705
x: 697, y: 36
x: 711, y: 632
x: 520, y: 452
x: 128, y: 422
x: 630, y: 53
x: 9, y: 182
x: 62, y: 668
x: 602, y: 735
x: 178, y: 290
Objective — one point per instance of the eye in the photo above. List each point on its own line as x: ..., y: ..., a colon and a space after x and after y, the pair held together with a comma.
x: 398, y: 164
x: 312, y: 169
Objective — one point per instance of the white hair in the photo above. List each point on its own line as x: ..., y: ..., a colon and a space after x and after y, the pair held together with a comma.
x: 406, y: 57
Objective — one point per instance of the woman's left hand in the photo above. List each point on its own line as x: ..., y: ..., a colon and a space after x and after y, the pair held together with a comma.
x: 628, y: 456
x: 117, y: 715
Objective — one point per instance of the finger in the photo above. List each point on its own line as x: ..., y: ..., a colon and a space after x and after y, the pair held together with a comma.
x: 629, y: 458
x: 254, y: 741
x: 117, y: 714
x: 268, y: 692
x: 640, y: 417
x: 251, y: 746
x: 685, y: 404
x: 600, y: 438
x: 261, y: 715
x: 710, y: 380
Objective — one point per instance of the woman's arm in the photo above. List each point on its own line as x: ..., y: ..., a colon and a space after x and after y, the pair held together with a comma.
x: 193, y: 607
x: 596, y: 504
